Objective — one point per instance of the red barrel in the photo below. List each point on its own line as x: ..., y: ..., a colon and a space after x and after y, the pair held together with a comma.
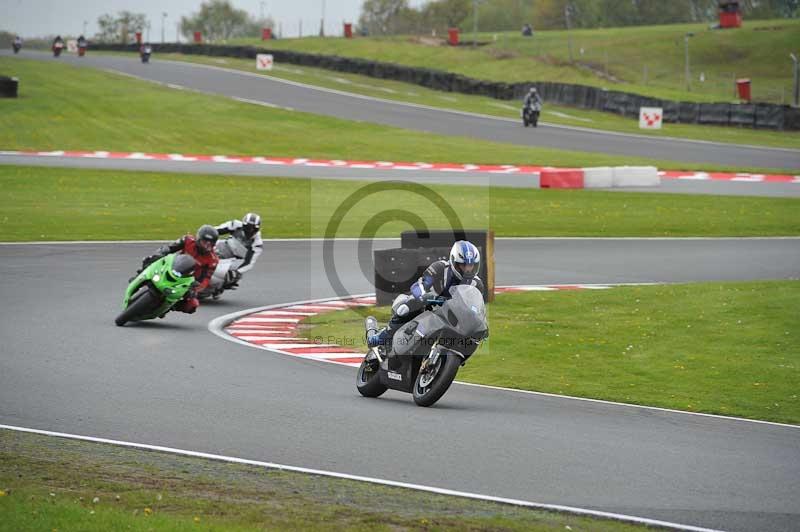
x: 743, y: 86
x: 198, y: 37
x: 348, y: 30
x: 452, y: 36
x: 138, y: 37
x: 730, y: 20
x: 266, y: 34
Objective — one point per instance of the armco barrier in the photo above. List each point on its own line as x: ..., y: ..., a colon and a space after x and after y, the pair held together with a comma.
x: 767, y: 115
x: 635, y: 176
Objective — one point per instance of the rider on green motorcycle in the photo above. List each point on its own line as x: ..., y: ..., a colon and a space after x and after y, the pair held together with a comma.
x: 201, y: 248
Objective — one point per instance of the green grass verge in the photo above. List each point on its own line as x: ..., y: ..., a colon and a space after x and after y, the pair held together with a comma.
x: 103, y: 204
x: 555, y: 114
x: 759, y: 50
x: 49, y: 483
x: 720, y: 348
x: 73, y: 108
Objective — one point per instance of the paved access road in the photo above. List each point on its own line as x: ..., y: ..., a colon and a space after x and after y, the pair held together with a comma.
x: 271, y: 91
x: 65, y: 367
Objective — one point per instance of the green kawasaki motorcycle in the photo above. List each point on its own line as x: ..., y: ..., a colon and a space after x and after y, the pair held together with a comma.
x: 153, y: 292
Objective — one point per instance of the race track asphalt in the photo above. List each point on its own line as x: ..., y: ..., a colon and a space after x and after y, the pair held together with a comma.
x: 66, y: 367
x: 260, y: 88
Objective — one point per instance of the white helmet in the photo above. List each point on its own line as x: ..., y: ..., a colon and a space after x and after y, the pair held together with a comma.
x: 465, y: 259
x: 252, y: 224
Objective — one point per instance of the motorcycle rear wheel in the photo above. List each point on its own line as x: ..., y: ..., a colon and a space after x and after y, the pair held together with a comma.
x: 367, y: 380
x: 140, y: 305
x: 445, y: 374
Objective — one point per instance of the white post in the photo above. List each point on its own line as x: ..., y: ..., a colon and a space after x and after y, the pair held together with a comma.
x: 163, y: 20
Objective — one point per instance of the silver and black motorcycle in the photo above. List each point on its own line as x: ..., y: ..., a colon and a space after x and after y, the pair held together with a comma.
x: 427, y: 351
x: 530, y: 114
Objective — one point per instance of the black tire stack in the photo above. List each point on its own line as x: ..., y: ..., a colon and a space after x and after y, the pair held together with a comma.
x: 8, y: 87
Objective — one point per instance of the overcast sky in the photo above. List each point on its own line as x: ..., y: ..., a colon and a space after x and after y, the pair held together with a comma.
x: 32, y: 18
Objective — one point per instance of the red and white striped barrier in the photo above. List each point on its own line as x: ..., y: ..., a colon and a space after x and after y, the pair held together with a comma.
x: 279, y: 328
x: 592, y: 177
x: 602, y: 177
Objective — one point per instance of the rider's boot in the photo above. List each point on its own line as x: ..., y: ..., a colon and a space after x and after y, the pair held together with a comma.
x: 375, y: 338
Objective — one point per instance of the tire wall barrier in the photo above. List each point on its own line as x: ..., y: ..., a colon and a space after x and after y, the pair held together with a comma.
x: 397, y: 269
x: 762, y: 115
x: 9, y: 87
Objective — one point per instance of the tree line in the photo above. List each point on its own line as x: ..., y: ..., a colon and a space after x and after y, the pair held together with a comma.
x: 217, y: 20
x: 387, y: 17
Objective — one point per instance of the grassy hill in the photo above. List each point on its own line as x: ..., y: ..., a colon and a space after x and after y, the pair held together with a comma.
x: 646, y: 60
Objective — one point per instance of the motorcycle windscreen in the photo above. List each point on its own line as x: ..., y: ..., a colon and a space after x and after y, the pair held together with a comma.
x: 466, y: 312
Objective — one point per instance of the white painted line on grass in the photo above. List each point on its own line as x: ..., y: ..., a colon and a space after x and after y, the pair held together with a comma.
x: 371, y: 480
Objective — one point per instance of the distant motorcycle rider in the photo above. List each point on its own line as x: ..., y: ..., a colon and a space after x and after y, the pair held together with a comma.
x: 532, y: 99
x: 17, y: 44
x: 247, y: 234
x: 461, y: 269
x: 201, y: 248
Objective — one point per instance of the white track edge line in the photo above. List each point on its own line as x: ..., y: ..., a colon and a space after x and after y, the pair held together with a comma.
x: 345, y: 476
x: 217, y: 325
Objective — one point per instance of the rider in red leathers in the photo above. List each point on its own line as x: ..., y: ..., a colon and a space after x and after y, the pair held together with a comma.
x: 201, y: 248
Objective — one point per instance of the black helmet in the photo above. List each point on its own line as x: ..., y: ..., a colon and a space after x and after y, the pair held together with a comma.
x: 207, y: 237
x: 251, y: 223
x: 182, y: 266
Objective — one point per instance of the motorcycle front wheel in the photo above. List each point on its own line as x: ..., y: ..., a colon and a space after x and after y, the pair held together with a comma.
x: 139, y: 306
x: 433, y: 382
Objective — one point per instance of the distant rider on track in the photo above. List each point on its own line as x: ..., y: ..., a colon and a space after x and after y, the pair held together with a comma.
x: 532, y: 99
